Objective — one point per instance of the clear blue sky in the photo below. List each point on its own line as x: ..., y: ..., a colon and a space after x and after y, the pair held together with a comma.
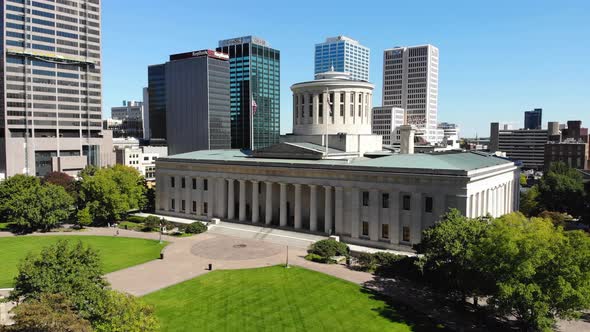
x: 497, y: 58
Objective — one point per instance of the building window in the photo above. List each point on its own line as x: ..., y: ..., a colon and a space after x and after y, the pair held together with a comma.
x: 183, y: 205
x: 365, y: 228
x: 205, y: 208
x: 428, y: 205
x: 331, y: 105
x: 321, y: 105
x: 407, y: 202
x: 205, y: 185
x: 194, y: 206
x: 172, y: 181
x: 385, y: 231
x: 406, y: 234
x: 365, y: 198
x: 172, y: 204
x: 194, y: 184
x: 385, y: 201
x: 182, y: 182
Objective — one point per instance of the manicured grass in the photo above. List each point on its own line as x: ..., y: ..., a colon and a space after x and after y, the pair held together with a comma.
x: 272, y: 299
x: 116, y: 252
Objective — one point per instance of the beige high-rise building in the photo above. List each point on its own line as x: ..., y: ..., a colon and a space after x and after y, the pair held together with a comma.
x: 51, y: 99
x: 410, y: 81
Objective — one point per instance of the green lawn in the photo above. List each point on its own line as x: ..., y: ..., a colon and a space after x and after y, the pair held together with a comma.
x: 274, y: 299
x: 116, y: 252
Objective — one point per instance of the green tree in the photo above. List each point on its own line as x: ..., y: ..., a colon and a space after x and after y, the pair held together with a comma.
x: 447, y: 254
x: 31, y: 205
x: 73, y: 271
x: 125, y: 313
x: 529, y: 202
x: 84, y: 217
x: 541, y: 272
x: 63, y: 180
x: 523, y: 180
x: 110, y: 193
x: 561, y: 189
x: 50, y: 313
x: 150, y: 205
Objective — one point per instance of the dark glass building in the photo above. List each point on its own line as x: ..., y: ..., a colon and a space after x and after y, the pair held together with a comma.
x: 197, y: 102
x: 157, y: 101
x: 533, y: 119
x: 254, y: 92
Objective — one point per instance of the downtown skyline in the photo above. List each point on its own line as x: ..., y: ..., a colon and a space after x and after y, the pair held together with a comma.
x: 492, y: 62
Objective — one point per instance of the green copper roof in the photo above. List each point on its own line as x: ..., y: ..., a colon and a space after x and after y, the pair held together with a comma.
x: 450, y: 161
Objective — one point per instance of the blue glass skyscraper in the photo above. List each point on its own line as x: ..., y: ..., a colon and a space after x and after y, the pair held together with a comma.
x: 345, y: 55
x: 254, y: 92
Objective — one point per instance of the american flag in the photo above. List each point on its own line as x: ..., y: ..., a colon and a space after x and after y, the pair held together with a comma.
x: 254, y: 107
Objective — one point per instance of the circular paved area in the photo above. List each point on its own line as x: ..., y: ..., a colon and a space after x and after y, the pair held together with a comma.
x: 235, y: 249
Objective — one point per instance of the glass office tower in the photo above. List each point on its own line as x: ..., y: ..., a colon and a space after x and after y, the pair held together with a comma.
x: 533, y: 119
x: 254, y: 92
x: 344, y: 55
x: 157, y: 101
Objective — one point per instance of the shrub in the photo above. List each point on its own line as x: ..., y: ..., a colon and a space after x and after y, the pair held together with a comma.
x: 319, y: 259
x: 329, y: 248
x: 367, y: 262
x: 151, y: 223
x: 195, y: 228
x: 136, y: 219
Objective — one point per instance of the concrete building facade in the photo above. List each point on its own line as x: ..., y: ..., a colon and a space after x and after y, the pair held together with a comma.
x: 385, y: 202
x: 51, y: 96
x: 344, y: 55
x: 387, y: 122
x: 526, y: 146
x: 410, y: 81
x: 142, y: 158
x: 128, y: 120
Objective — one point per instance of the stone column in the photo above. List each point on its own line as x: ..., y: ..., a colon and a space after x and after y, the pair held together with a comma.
x: 374, y: 209
x: 416, y: 208
x: 198, y: 196
x: 394, y: 219
x: 316, y: 108
x: 313, y: 213
x: 297, y: 208
x: 177, y: 194
x: 339, y: 210
x: 328, y: 228
x: 188, y: 193
x: 356, y: 202
x: 472, y: 206
x: 255, y: 203
x: 231, y: 206
x: 242, y: 202
x: 283, y: 206
x: 268, y: 210
x: 211, y: 197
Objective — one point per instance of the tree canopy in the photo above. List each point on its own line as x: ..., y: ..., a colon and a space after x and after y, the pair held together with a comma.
x: 32, y: 205
x: 561, y: 189
x: 67, y: 280
x: 109, y: 193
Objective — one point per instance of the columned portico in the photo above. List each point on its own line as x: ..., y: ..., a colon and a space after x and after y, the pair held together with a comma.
x: 242, y: 202
x: 231, y: 206
x: 313, y: 213
x: 255, y: 203
x: 297, y: 209
x: 328, y: 210
x: 268, y: 205
x: 283, y: 205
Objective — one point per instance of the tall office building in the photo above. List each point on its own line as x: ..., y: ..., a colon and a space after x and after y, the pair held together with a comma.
x: 157, y: 101
x: 533, y: 119
x: 50, y: 112
x: 254, y: 92
x: 126, y: 120
x: 197, y: 102
x: 344, y: 55
x: 410, y: 81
